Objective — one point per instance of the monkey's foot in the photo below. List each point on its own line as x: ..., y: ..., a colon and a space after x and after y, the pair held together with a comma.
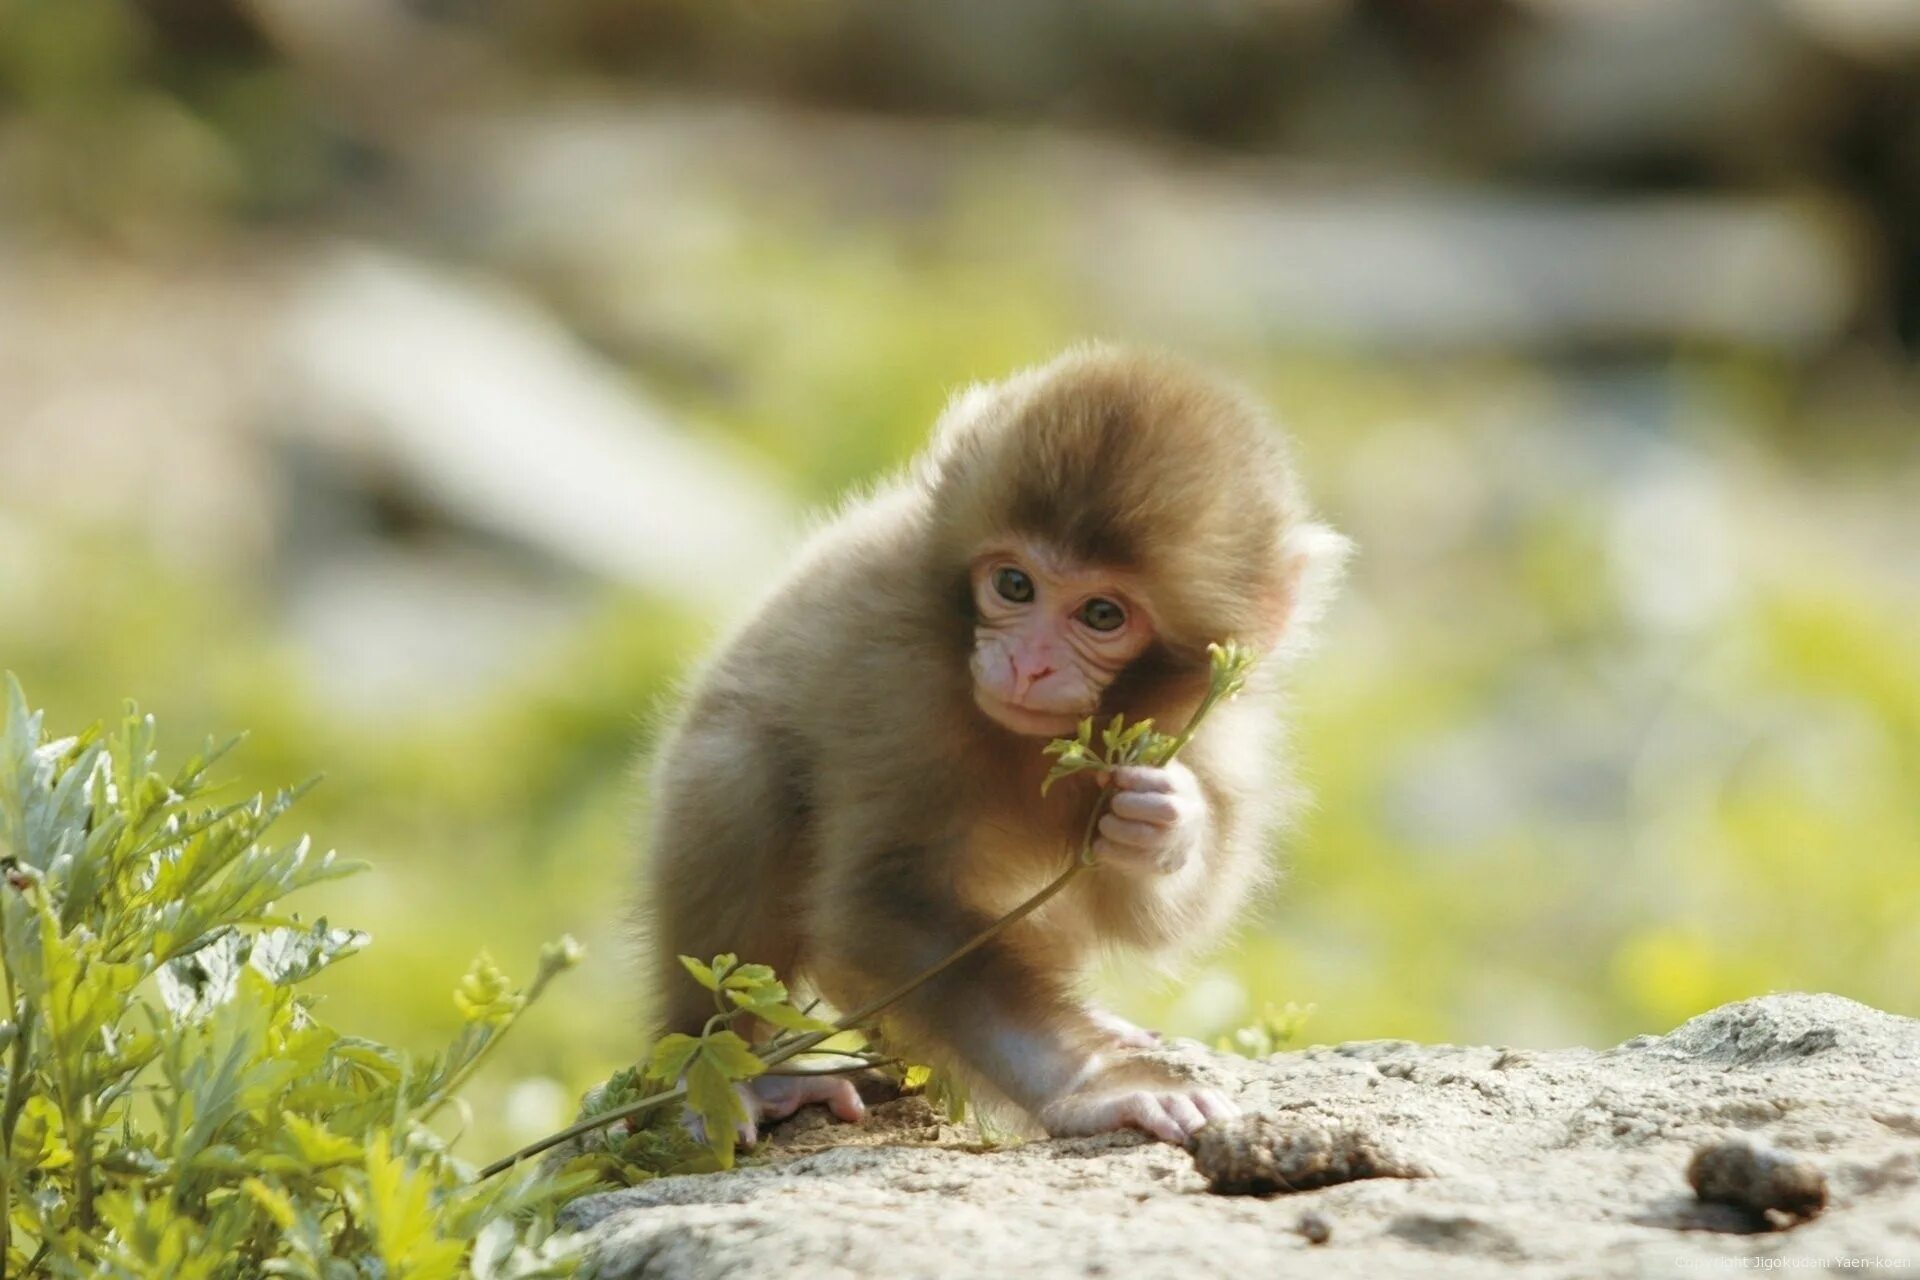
x: 771, y: 1098
x: 1122, y: 1033
x: 777, y: 1097
x: 1171, y: 1113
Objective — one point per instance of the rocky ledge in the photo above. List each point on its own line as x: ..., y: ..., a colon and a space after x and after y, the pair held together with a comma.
x: 1572, y: 1162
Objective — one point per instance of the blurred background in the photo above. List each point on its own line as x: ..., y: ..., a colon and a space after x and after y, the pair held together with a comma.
x: 420, y: 383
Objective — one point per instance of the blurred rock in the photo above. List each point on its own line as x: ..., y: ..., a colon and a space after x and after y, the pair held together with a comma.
x: 488, y: 412
x: 1431, y: 269
x: 1177, y: 247
x: 126, y: 396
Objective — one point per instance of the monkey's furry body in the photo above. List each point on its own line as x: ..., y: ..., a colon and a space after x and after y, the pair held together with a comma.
x: 853, y: 786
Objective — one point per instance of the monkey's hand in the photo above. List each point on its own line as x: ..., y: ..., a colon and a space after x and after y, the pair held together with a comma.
x: 1154, y: 821
x: 770, y: 1098
x: 1171, y: 1112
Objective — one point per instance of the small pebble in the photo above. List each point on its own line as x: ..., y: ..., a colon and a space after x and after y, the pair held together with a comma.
x: 1315, y: 1227
x: 1763, y: 1180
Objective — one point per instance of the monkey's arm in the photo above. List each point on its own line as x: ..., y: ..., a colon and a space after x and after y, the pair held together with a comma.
x: 1001, y: 1010
x: 1179, y: 847
x: 1003, y: 1013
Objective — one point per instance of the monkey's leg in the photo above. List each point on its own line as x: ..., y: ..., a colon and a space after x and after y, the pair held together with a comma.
x: 726, y: 873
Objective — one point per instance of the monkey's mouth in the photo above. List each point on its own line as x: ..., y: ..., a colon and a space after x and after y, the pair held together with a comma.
x: 1031, y: 722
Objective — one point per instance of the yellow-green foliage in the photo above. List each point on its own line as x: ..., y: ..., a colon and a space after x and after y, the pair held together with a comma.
x: 172, y: 1106
x: 711, y: 1062
x: 1277, y: 1028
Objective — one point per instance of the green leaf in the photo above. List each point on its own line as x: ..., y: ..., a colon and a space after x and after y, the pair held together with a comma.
x: 732, y: 1055
x: 315, y: 1145
x: 397, y: 1201
x: 749, y: 976
x: 702, y: 974
x: 782, y: 1014
x: 714, y: 1099
x: 292, y: 955
x: 671, y: 1056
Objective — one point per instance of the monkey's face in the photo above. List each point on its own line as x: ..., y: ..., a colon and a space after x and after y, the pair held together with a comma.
x: 1050, y: 635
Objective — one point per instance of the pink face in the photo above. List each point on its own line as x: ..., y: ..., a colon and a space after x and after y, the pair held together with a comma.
x: 1052, y: 635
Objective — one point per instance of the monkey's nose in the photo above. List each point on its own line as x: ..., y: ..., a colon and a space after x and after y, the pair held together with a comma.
x: 1034, y: 676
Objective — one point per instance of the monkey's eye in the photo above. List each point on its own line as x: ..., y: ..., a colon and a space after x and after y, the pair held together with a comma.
x: 1011, y: 584
x: 1102, y: 614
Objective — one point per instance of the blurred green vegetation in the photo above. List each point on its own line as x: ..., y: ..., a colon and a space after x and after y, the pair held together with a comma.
x: 1742, y: 820
x: 145, y: 118
x: 1619, y: 719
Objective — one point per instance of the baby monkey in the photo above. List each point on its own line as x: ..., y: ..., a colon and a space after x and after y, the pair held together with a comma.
x: 853, y: 788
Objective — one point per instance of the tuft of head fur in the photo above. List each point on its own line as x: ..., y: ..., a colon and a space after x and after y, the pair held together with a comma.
x: 1137, y: 461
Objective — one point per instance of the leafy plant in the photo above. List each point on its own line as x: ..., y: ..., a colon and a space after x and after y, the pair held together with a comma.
x: 712, y: 1062
x: 1278, y: 1027
x: 171, y: 1104
x: 704, y: 1069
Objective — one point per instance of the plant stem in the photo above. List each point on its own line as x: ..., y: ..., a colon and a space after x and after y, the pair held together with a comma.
x: 10, y: 1110
x: 457, y: 1081
x: 16, y: 1098
x: 80, y: 1139
x: 839, y: 1070
x: 588, y: 1125
x: 464, y: 1072
x: 10, y: 1116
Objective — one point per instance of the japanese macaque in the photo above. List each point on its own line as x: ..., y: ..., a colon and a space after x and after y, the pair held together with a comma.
x: 853, y: 788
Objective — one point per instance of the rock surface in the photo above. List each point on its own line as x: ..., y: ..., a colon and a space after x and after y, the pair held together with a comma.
x: 1564, y: 1163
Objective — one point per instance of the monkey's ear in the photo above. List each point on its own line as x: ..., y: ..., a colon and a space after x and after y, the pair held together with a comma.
x: 1313, y: 560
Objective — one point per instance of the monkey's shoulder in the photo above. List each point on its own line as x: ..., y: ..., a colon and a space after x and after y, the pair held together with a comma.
x: 848, y: 635
x: 857, y: 580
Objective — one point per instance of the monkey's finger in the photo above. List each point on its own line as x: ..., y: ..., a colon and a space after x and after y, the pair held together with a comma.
x: 1156, y: 807
x: 1184, y: 1113
x: 1141, y: 835
x: 844, y: 1101
x: 1142, y: 777
x: 1128, y: 857
x: 1146, y: 1113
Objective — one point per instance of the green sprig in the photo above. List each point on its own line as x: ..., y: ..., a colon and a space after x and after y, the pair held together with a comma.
x: 172, y: 1105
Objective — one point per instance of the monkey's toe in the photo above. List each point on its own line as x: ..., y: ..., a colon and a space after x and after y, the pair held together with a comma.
x: 777, y: 1097
x: 1215, y: 1106
x: 1171, y: 1115
x: 1167, y: 1117
x: 1185, y: 1114
x: 1188, y: 1112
